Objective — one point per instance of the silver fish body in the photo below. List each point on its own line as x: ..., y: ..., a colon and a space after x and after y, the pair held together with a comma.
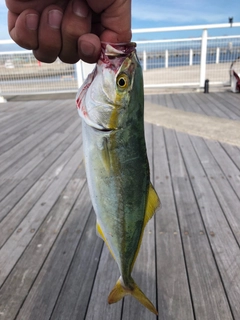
x: 111, y: 105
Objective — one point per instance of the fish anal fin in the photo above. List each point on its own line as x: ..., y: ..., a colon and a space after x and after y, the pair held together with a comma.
x: 100, y: 233
x: 119, y: 291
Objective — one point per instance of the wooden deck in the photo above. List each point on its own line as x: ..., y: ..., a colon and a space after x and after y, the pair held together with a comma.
x: 52, y: 264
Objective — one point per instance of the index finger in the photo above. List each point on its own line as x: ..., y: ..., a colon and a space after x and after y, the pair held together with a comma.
x: 115, y: 19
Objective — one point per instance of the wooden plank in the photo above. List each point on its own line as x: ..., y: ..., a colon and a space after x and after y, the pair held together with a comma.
x: 223, y: 243
x: 227, y: 99
x: 178, y: 102
x: 4, y: 117
x: 185, y: 103
x: 32, y: 139
x: 22, y: 129
x: 230, y: 96
x: 208, y: 296
x: 198, y: 104
x: 229, y: 168
x: 10, y: 150
x: 169, y: 101
x: 46, y: 170
x: 106, y: 277
x: 209, y: 105
x: 14, y: 106
x: 11, y: 138
x: 22, y: 167
x: 43, y: 295
x: 16, y: 117
x: 233, y: 152
x: 19, y: 240
x: 20, y: 154
x: 152, y: 98
x: 43, y: 146
x: 226, y: 196
x: 194, y: 105
x: 224, y: 107
x: 18, y: 284
x: 27, y: 163
x: 174, y: 297
x: 29, y: 117
x: 73, y: 129
x: 28, y: 200
x: 161, y: 100
x: 73, y: 300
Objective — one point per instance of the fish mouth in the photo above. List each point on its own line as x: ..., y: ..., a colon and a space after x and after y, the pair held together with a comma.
x: 107, y: 130
x: 113, y: 54
x: 104, y: 129
x: 117, y: 49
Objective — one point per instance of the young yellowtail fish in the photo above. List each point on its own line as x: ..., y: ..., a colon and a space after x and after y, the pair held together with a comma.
x: 111, y: 103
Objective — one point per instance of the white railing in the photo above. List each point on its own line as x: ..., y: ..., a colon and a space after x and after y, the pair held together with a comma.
x: 166, y: 63
x: 21, y: 73
x: 188, y: 62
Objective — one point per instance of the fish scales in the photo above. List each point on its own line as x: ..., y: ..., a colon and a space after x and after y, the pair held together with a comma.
x: 111, y: 104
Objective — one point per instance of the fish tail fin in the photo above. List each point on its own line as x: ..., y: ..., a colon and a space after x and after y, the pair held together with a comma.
x: 119, y: 291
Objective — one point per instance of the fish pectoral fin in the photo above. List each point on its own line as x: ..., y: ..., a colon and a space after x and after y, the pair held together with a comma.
x: 119, y: 291
x: 100, y: 233
x: 105, y: 155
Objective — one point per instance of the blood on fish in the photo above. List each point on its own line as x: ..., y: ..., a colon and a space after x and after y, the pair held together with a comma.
x: 110, y: 61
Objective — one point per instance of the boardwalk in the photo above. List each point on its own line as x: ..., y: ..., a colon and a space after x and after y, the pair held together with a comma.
x: 52, y: 264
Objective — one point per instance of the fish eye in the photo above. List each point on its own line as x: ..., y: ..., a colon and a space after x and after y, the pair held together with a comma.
x: 122, y: 81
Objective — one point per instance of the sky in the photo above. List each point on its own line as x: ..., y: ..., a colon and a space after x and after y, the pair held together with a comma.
x: 158, y: 13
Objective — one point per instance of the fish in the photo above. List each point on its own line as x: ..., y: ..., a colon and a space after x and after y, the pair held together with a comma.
x: 111, y: 105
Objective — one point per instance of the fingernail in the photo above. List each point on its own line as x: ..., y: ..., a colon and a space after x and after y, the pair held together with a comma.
x: 87, y: 48
x: 80, y: 9
x: 55, y: 18
x: 32, y: 21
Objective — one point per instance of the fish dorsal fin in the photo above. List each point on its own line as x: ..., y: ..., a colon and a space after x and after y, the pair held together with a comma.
x: 153, y: 202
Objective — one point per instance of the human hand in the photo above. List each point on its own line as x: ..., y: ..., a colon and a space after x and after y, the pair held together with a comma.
x: 68, y: 29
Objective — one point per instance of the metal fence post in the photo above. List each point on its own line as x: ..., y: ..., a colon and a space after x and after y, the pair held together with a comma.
x: 79, y: 73
x: 191, y: 57
x: 217, y: 55
x: 144, y: 60
x: 203, y: 58
x: 166, y: 58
